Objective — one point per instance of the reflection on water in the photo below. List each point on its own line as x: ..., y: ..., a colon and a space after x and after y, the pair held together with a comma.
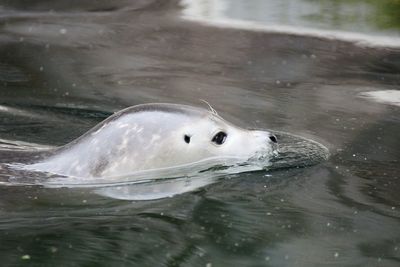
x: 376, y: 17
x: 391, y: 97
x: 368, y: 22
x: 67, y: 65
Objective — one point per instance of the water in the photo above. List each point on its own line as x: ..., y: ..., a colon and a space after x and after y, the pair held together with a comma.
x: 66, y: 66
x: 368, y: 23
x: 371, y: 17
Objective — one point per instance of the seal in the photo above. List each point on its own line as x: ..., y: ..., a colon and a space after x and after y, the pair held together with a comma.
x: 156, y: 136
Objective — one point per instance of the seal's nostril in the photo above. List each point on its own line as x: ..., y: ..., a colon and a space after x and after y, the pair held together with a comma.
x: 273, y: 138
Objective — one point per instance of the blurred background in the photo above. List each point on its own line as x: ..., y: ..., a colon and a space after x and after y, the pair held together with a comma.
x: 378, y: 18
x: 328, y: 70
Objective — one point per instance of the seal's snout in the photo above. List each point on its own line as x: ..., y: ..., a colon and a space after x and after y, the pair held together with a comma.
x: 265, y: 136
x: 273, y: 138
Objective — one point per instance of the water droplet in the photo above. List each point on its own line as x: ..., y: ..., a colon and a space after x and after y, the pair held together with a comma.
x: 26, y: 257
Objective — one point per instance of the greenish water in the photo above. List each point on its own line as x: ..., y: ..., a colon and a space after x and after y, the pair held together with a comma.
x: 380, y: 15
x: 65, y: 66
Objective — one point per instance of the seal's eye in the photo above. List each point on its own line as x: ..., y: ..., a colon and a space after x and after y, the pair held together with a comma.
x: 187, y: 138
x: 219, y: 138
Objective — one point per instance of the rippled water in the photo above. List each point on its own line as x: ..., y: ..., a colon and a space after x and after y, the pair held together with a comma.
x: 66, y: 66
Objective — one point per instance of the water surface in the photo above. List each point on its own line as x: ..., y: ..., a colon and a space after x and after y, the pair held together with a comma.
x: 66, y: 66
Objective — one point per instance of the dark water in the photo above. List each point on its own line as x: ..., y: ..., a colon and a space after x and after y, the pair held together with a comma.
x: 66, y: 65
